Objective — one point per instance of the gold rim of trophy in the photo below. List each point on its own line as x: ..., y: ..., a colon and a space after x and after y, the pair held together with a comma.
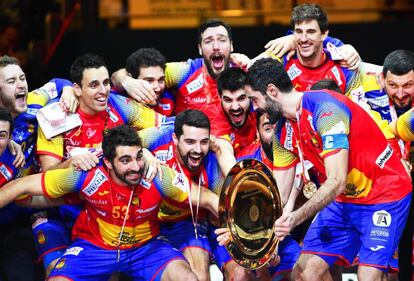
x: 249, y: 205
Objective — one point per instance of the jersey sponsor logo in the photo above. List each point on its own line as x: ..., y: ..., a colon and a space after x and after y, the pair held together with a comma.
x: 31, y: 111
x: 165, y: 106
x: 147, y: 210
x: 98, y: 179
x: 377, y: 248
x: 289, y: 137
x: 113, y: 116
x: 198, y: 100
x: 145, y: 184
x: 294, y: 71
x: 382, y: 218
x: 181, y: 182
x: 196, y: 84
x: 326, y: 114
x: 97, y: 202
x: 337, y: 75
x: 384, y: 156
x: 381, y: 101
x: 165, y: 154
x: 73, y: 251
x: 5, y: 172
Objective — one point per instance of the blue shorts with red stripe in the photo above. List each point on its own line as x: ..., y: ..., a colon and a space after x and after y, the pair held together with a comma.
x: 342, y: 230
x: 84, y: 261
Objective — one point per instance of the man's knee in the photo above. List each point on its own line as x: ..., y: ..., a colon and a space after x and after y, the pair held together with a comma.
x: 367, y: 273
x: 309, y: 267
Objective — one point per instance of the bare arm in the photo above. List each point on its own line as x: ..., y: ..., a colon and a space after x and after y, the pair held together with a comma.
x: 30, y: 185
x: 208, y: 199
x: 336, y: 167
x: 284, y: 180
x: 40, y: 202
x: 224, y: 153
x: 85, y: 162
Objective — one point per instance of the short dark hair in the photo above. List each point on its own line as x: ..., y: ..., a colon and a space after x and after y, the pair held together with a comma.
x: 213, y: 23
x: 231, y: 79
x: 120, y: 135
x: 398, y: 62
x: 192, y: 118
x: 328, y: 84
x: 84, y: 62
x: 144, y: 57
x: 7, y: 60
x: 6, y: 116
x: 267, y: 71
x: 306, y: 12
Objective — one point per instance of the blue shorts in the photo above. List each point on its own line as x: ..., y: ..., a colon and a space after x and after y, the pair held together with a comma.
x: 289, y: 251
x: 50, y: 235
x: 85, y: 261
x: 181, y: 234
x: 342, y: 230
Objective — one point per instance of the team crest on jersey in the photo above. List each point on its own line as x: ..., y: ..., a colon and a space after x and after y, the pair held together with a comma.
x: 196, y: 84
x: 41, y: 238
x: 136, y: 201
x: 61, y: 264
x: 382, y: 218
x: 384, y: 156
x: 181, y: 182
x: 294, y: 71
x: 5, y: 172
x: 90, y: 133
x: 98, y: 179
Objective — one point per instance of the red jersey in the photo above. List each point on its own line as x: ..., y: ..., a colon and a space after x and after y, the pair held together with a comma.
x: 330, y: 122
x: 106, y: 204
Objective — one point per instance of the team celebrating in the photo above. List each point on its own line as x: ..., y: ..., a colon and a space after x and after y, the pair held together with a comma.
x: 131, y: 191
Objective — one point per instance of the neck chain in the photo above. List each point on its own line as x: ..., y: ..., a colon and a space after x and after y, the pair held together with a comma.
x: 309, y: 188
x: 121, y: 233
x: 193, y: 218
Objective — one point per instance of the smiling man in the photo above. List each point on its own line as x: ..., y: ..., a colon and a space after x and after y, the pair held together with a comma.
x: 195, y: 79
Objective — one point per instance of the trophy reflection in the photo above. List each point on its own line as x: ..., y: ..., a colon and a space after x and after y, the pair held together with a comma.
x: 249, y: 206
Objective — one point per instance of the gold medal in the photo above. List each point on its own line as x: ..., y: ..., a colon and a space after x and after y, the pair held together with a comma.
x: 309, y: 189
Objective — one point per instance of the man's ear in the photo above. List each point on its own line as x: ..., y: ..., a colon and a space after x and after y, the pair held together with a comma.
x: 325, y: 34
x: 199, y: 50
x: 107, y: 164
x: 77, y: 89
x: 272, y: 90
x: 382, y: 80
x: 231, y: 46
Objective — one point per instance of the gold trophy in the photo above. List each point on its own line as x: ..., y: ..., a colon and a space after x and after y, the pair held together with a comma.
x: 249, y: 206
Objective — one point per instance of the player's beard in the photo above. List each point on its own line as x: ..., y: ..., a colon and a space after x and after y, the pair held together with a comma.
x: 268, y: 149
x: 273, y: 110
x: 186, y: 160
x: 210, y: 69
x: 123, y: 177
